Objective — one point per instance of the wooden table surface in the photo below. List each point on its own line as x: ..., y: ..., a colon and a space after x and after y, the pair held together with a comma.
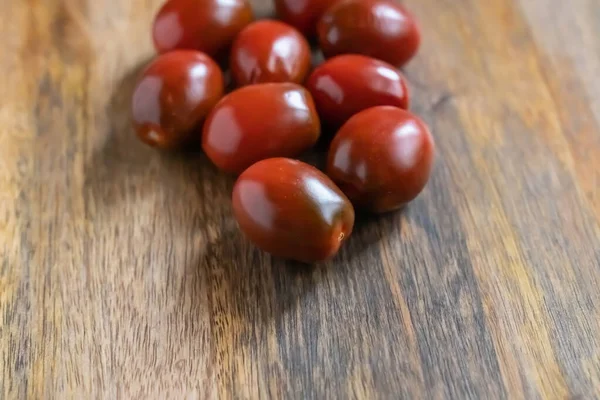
x: 123, y: 274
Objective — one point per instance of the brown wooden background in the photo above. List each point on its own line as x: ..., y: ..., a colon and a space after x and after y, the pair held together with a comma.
x: 123, y: 275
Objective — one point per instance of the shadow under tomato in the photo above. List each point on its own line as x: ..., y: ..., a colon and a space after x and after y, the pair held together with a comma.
x: 121, y: 168
x: 369, y: 231
x: 261, y: 288
x: 249, y: 285
x: 116, y: 155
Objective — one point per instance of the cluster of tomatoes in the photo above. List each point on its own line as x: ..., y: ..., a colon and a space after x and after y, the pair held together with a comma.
x: 380, y: 157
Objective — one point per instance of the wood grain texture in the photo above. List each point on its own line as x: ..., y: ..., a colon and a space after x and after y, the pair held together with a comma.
x: 123, y: 274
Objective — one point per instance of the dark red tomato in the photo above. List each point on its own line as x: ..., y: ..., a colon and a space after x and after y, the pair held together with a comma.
x: 258, y: 122
x: 174, y: 95
x: 270, y: 51
x: 292, y: 210
x: 382, y: 158
x: 206, y: 25
x: 348, y: 84
x: 381, y: 29
x: 303, y: 14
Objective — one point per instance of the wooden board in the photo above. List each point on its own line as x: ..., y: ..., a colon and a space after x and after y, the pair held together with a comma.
x: 123, y: 274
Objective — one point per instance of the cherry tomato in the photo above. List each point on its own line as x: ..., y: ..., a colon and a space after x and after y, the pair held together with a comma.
x: 292, y: 210
x: 381, y: 29
x: 206, y: 25
x: 347, y: 84
x: 382, y: 158
x: 303, y: 14
x: 174, y: 95
x: 258, y: 122
x: 270, y: 51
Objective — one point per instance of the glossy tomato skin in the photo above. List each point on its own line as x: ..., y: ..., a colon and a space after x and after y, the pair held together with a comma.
x: 381, y: 29
x: 209, y: 26
x: 258, y: 122
x: 348, y: 84
x: 270, y: 51
x: 382, y: 158
x: 173, y: 96
x: 292, y: 210
x: 303, y: 14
